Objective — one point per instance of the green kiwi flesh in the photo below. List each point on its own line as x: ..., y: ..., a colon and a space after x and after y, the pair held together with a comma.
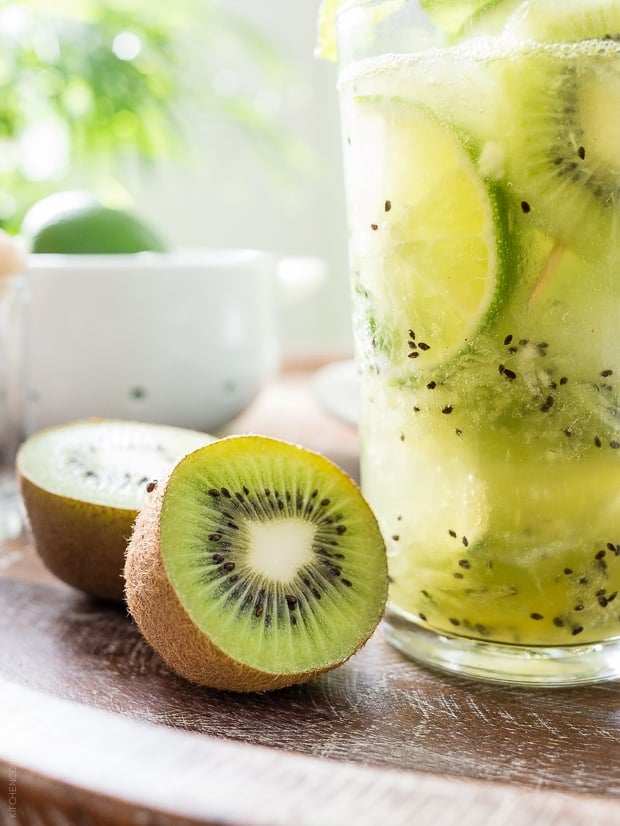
x: 562, y: 155
x: 256, y: 565
x: 564, y: 21
x: 82, y: 484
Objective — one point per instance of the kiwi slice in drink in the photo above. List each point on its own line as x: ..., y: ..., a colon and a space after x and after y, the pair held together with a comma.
x: 564, y: 21
x: 82, y: 485
x: 257, y: 564
x: 562, y: 156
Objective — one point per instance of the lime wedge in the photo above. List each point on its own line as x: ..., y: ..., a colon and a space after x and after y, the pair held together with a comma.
x: 427, y: 236
x: 453, y: 16
x: 327, y: 47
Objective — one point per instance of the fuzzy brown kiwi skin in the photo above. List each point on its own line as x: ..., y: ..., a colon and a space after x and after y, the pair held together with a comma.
x: 80, y: 543
x: 167, y: 627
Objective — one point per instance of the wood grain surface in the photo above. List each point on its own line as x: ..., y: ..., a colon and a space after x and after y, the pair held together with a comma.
x: 95, y: 729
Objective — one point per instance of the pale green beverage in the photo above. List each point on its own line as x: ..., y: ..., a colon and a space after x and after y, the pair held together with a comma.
x: 482, y: 162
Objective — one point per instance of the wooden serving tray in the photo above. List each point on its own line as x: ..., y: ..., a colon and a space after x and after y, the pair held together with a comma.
x: 96, y: 730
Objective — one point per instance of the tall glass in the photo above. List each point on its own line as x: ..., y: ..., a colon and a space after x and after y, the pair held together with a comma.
x: 482, y: 169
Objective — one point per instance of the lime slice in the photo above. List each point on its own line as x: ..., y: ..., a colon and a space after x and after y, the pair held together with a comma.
x: 427, y: 234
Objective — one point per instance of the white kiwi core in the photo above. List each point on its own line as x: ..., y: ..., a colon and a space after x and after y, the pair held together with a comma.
x: 279, y: 548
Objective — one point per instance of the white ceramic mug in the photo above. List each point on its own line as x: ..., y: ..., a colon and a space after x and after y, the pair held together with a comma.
x: 185, y: 338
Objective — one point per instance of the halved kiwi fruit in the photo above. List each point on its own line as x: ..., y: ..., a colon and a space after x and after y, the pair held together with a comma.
x: 256, y: 565
x: 82, y: 485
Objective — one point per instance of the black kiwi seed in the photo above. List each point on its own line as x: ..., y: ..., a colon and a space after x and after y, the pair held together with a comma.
x: 266, y: 503
x: 558, y: 155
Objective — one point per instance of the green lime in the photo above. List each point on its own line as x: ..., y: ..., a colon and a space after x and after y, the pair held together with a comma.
x: 427, y: 232
x: 75, y: 223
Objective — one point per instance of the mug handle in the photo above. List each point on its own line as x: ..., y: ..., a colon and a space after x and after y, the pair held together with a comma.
x: 300, y: 277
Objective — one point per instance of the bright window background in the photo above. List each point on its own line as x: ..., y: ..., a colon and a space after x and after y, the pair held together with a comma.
x: 231, y: 195
x: 261, y: 166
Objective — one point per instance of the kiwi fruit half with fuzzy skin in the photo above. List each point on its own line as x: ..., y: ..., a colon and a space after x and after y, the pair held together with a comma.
x: 256, y: 565
x: 82, y: 485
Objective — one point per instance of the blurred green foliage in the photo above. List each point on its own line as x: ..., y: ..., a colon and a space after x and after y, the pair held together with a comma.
x: 99, y: 80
